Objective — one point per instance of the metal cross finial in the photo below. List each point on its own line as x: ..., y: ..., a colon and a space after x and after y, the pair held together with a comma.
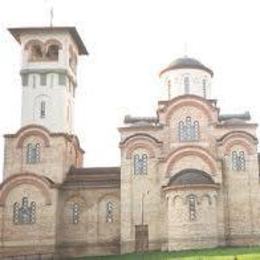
x: 51, y: 11
x: 51, y: 16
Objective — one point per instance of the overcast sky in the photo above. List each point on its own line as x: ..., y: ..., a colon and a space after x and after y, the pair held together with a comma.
x: 129, y: 42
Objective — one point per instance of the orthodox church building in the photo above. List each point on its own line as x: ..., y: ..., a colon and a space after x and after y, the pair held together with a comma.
x: 189, y: 176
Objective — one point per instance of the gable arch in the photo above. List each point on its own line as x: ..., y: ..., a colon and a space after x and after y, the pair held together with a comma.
x: 140, y: 140
x: 140, y: 145
x: 33, y: 132
x: 245, y: 139
x: 196, y: 151
x: 242, y: 134
x: 246, y: 145
x: 41, y: 183
x: 190, y: 102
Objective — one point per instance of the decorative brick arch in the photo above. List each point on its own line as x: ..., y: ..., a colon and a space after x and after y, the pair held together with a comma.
x: 140, y: 145
x: 34, y: 42
x: 185, y: 151
x: 245, y: 139
x: 194, y: 103
x: 140, y: 140
x: 26, y: 178
x: 241, y: 142
x: 29, y: 133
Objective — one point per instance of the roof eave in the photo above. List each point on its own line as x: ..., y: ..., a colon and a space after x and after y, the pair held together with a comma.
x: 16, y: 32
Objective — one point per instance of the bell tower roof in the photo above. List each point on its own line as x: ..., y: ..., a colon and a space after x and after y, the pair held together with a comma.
x: 17, y: 32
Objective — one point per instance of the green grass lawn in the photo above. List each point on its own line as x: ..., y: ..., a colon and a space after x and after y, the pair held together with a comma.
x: 252, y: 253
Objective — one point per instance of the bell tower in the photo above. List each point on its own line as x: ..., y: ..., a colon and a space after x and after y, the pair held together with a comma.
x: 49, y: 75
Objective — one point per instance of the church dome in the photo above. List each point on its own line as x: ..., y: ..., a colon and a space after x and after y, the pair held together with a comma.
x: 187, y: 63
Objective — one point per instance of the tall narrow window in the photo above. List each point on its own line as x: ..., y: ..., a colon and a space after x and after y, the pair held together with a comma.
x: 109, y: 212
x: 24, y: 214
x: 238, y: 161
x: 34, y: 81
x: 186, y: 85
x: 192, y: 208
x: 75, y: 213
x: 140, y: 164
x: 42, y: 109
x: 204, y: 88
x: 43, y: 79
x: 188, y: 130
x: 33, y: 153
x: 181, y: 131
x: 51, y: 80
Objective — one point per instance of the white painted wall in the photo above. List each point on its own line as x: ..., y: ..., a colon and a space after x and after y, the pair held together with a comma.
x: 173, y: 83
x: 59, y: 98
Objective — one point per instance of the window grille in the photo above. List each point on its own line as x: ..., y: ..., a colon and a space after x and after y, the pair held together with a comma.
x: 109, y: 212
x: 238, y: 161
x: 24, y: 214
x: 33, y: 153
x: 75, y: 213
x: 140, y: 164
x: 188, y: 130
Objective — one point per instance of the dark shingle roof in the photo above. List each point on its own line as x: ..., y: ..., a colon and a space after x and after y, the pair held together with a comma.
x: 187, y: 63
x: 190, y: 176
x: 96, y: 177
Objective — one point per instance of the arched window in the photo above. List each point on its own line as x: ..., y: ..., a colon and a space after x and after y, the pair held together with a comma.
x: 34, y: 81
x: 204, y: 88
x: 33, y: 153
x: 186, y: 85
x: 238, y: 161
x: 192, y: 208
x: 140, y: 164
x: 188, y: 130
x: 42, y: 109
x: 75, y: 213
x: 53, y: 53
x: 36, y: 53
x: 24, y: 214
x: 109, y: 212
